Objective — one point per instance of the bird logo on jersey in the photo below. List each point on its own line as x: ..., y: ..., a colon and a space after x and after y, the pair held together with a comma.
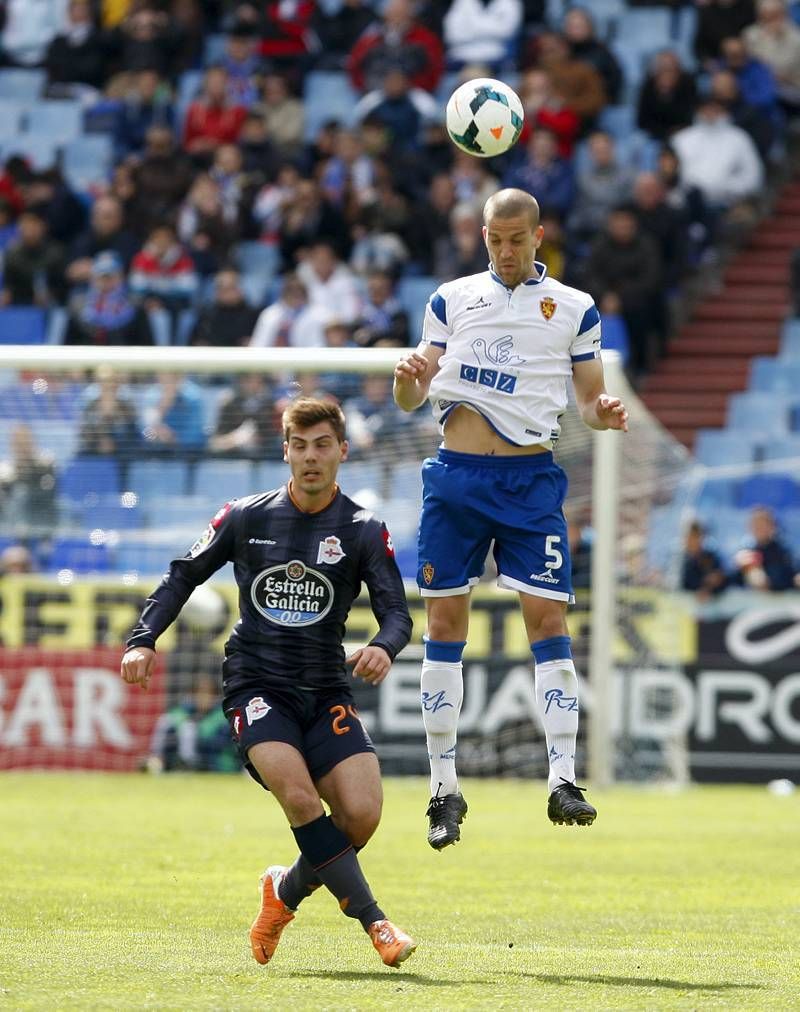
x: 548, y: 307
x: 427, y: 572
x: 499, y: 352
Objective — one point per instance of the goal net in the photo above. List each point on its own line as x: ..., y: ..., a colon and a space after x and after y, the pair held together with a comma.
x: 114, y: 461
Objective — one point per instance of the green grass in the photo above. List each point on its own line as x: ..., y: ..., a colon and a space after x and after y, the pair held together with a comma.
x: 136, y: 892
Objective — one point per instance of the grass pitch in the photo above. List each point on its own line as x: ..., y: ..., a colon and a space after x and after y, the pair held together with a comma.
x: 136, y: 892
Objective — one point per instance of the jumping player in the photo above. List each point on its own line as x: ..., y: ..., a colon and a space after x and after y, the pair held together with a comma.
x: 497, y: 349
x: 300, y: 555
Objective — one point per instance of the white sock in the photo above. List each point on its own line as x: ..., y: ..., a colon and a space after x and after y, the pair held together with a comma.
x: 557, y: 698
x: 442, y: 687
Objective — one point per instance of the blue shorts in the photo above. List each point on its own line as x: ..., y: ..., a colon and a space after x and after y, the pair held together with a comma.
x: 324, y: 727
x: 470, y: 500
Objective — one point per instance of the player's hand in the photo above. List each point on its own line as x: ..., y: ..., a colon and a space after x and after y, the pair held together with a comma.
x: 412, y: 366
x: 612, y: 411
x: 137, y: 666
x: 370, y: 663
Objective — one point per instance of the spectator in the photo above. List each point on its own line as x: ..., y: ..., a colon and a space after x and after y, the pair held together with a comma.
x: 242, y: 63
x: 147, y: 39
x: 374, y: 420
x: 667, y: 97
x: 329, y: 282
x: 14, y: 176
x: 348, y: 177
x: 339, y: 30
x: 162, y: 178
x: 461, y: 252
x: 624, y: 274
x: 33, y: 271
x: 28, y: 29
x: 283, y: 114
x: 432, y: 219
x: 107, y: 315
x: 227, y: 173
x: 382, y: 317
x: 546, y: 109
x: 775, y: 40
x: 601, y: 186
x: 174, y: 423
x: 341, y: 384
x: 687, y: 199
x: 701, y: 569
x: 306, y: 217
x: 767, y: 564
x: 76, y: 59
x: 194, y: 735
x: 551, y: 249
x: 482, y: 31
x: 261, y: 159
x: 579, y: 83
x: 761, y: 129
x: 291, y: 321
x: 377, y: 245
x: 229, y: 321
x: 48, y: 194
x: 580, y: 553
x: 668, y: 225
x: 718, y: 20
x: 755, y: 79
x: 106, y: 232
x: 397, y: 41
x: 108, y: 424
x: 580, y: 32
x: 15, y: 560
x: 473, y: 180
x: 162, y: 274
x: 287, y: 42
x: 245, y: 423
x: 403, y: 110
x: 204, y: 228
x: 544, y: 174
x: 719, y: 158
x: 212, y: 119
x: 27, y: 485
x: 9, y: 232
x: 146, y: 103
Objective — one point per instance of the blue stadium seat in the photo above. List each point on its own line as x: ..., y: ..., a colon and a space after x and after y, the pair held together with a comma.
x: 87, y: 161
x: 716, y: 448
x: 11, y: 115
x: 648, y: 26
x: 716, y: 492
x: 184, y: 326
x: 88, y: 478
x: 790, y: 338
x: 131, y: 556
x: 221, y: 480
x: 618, y: 120
x: 61, y: 121
x: 191, y: 513
x: 102, y: 117
x: 778, y: 491
x: 112, y: 512
x: 213, y: 49
x: 80, y: 555
x: 57, y: 320
x: 273, y: 473
x: 23, y: 325
x: 40, y: 150
x: 413, y: 294
x: 783, y: 449
x: 21, y: 83
x: 664, y: 536
x: 151, y: 478
x: 161, y: 326
x: 258, y: 263
x: 328, y: 95
x: 56, y: 438
x: 764, y: 413
x: 615, y: 336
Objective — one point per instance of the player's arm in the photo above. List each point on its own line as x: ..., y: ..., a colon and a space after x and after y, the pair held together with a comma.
x: 413, y: 375
x: 387, y: 596
x: 598, y: 409
x: 208, y: 554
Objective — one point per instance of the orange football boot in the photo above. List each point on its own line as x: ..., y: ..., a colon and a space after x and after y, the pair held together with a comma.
x: 394, y: 946
x: 274, y: 915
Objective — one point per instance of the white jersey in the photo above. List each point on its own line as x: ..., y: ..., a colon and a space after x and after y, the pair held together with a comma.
x: 509, y: 352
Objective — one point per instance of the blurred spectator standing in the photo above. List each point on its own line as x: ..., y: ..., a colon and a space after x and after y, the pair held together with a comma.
x: 718, y: 20
x: 107, y: 315
x: 307, y: 217
x: 205, y: 228
x: 212, y: 119
x: 291, y: 321
x: 580, y: 32
x: 667, y: 97
x: 27, y: 485
x: 146, y: 39
x: 108, y: 426
x: 433, y: 219
x: 48, y: 194
x: 283, y: 114
x: 242, y: 63
x: 245, y: 423
x: 482, y: 31
x: 403, y: 110
x: 701, y: 569
x: 260, y: 156
x: 338, y: 30
x: 106, y: 233
x: 600, y: 186
x: 146, y: 103
x: 162, y: 179
x: 667, y: 225
x: 462, y: 251
x: 397, y: 41
x: 382, y: 317
x: 755, y: 79
x: 33, y: 269
x: 288, y: 42
x: 174, y: 417
x: 162, y: 274
x: 544, y: 174
x: 767, y: 563
x: 763, y: 130
x: 77, y: 61
x: 330, y: 284
x: 775, y: 40
x: 580, y: 85
x: 545, y: 108
x: 229, y: 320
x: 373, y: 419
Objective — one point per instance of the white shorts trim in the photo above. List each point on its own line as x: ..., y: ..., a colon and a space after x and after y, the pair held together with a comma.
x: 450, y: 591
x: 509, y: 583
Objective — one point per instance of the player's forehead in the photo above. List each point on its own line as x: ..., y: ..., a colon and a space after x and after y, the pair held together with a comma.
x: 503, y: 227
x: 320, y: 432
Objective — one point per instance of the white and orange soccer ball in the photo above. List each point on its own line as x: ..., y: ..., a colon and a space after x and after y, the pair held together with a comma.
x: 484, y: 117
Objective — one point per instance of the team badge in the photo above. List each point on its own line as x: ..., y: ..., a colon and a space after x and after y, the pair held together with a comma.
x: 256, y: 709
x: 427, y: 572
x: 296, y: 570
x: 330, y: 550
x: 548, y: 307
x: 388, y: 544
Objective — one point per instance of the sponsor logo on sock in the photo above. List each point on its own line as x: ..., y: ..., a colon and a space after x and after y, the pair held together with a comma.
x: 449, y: 754
x: 562, y: 702
x: 432, y: 702
x: 554, y: 753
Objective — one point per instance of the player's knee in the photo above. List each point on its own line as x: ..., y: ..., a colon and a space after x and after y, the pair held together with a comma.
x: 359, y: 822
x: 300, y: 804
x: 550, y: 622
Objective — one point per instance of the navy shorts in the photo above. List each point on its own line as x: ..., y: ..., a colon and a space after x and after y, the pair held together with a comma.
x: 324, y: 727
x: 470, y: 500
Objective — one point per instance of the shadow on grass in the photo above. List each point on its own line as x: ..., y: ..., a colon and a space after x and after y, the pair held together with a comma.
x: 408, y: 978
x: 671, y: 985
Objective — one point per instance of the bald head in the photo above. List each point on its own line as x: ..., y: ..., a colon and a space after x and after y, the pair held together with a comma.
x: 511, y: 203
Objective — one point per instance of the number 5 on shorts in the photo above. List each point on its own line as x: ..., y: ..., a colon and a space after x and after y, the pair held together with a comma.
x: 554, y: 556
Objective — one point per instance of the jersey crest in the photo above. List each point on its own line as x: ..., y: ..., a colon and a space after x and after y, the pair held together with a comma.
x: 548, y: 307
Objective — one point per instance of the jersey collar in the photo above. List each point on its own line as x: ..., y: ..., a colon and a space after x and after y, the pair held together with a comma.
x: 297, y: 505
x: 534, y: 279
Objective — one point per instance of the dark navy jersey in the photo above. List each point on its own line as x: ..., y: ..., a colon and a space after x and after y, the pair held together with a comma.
x: 298, y: 574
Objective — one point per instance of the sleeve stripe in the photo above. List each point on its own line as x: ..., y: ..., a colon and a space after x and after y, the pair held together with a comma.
x: 438, y: 308
x: 586, y: 357
x: 438, y: 344
x: 590, y: 319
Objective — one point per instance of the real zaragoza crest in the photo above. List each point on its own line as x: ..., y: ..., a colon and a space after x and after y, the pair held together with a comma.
x: 548, y: 307
x: 427, y: 572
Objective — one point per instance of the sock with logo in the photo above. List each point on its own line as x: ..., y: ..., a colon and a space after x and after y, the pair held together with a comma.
x: 442, y: 686
x: 557, y: 699
x: 332, y: 859
x: 300, y: 881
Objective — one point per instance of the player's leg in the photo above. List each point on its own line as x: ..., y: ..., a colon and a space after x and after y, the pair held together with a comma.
x: 442, y: 687
x: 557, y: 699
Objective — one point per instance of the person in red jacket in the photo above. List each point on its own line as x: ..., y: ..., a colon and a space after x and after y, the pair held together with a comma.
x: 211, y: 119
x: 397, y: 42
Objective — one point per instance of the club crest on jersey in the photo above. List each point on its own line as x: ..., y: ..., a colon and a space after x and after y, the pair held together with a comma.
x: 548, y: 307
x: 330, y: 550
x: 256, y: 709
x: 427, y: 572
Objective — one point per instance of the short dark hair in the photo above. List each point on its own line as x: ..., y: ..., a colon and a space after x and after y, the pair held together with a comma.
x: 306, y: 412
x: 511, y: 203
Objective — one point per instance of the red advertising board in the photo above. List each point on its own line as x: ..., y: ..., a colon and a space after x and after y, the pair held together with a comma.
x: 69, y: 709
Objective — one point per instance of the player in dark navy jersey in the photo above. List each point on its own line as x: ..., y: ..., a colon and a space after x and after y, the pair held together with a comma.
x: 300, y: 555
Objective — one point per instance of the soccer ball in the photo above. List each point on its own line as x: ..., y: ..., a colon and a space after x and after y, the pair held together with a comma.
x: 484, y: 117
x: 205, y: 609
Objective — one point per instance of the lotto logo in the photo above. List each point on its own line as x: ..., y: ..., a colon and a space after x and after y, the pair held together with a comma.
x: 503, y: 382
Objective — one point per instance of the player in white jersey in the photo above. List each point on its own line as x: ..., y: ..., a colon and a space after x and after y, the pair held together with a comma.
x: 496, y: 352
